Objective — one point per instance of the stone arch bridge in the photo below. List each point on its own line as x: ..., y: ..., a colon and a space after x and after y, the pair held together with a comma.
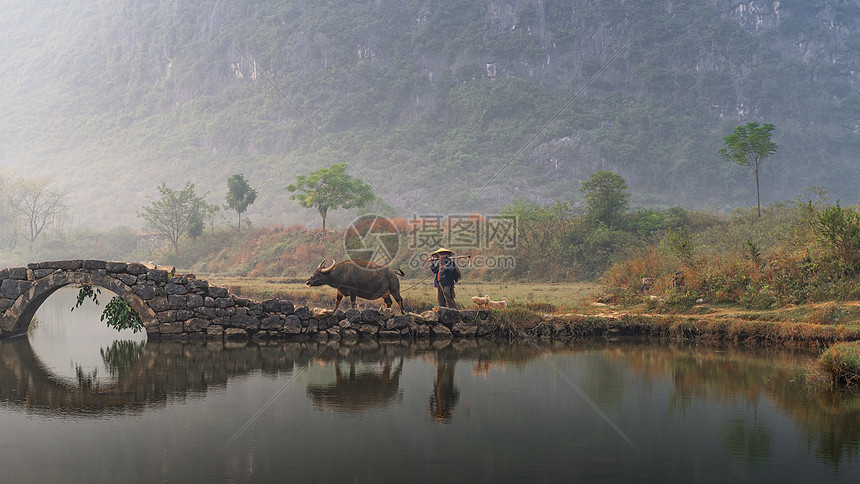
x: 181, y: 306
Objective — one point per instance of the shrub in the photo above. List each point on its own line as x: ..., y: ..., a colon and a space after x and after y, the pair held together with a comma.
x: 842, y: 362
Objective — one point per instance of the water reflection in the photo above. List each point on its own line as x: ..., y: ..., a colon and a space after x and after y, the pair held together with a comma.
x: 373, y: 385
x: 746, y: 405
x: 445, y: 392
x: 76, y: 347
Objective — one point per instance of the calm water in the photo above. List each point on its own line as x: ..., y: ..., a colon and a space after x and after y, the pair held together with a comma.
x: 78, y: 405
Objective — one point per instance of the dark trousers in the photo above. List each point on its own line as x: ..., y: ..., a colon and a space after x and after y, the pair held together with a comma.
x: 445, y: 296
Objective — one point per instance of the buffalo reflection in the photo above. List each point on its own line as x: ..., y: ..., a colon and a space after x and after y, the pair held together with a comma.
x: 359, y: 391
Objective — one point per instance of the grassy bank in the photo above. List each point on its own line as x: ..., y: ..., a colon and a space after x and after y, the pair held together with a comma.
x: 419, y: 294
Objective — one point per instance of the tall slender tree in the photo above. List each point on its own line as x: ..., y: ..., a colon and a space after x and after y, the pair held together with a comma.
x: 239, y: 195
x: 329, y: 189
x: 748, y: 146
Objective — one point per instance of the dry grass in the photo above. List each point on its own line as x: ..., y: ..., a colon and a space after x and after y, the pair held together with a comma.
x: 418, y: 293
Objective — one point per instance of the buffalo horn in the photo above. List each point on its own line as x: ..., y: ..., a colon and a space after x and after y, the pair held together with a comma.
x: 327, y: 268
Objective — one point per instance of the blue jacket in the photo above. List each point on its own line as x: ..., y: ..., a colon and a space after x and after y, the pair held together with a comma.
x: 447, y: 275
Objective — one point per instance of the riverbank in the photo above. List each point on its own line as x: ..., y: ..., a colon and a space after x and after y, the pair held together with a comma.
x: 573, y: 310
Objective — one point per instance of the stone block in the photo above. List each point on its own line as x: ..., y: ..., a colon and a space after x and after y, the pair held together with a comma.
x: 303, y: 313
x: 464, y: 329
x: 448, y: 316
x: 181, y: 279
x: 370, y: 316
x: 166, y: 316
x: 198, y: 286
x: 205, y: 312
x: 398, y: 322
x: 183, y: 314
x: 194, y: 301
x: 40, y: 273
x: 273, y: 322
x: 368, y: 330
x: 218, y: 291
x: 115, y: 267
x: 145, y: 292
x: 287, y: 308
x: 12, y: 288
x: 157, y: 275
x: 292, y: 324
x: 271, y: 305
x: 327, y: 323
x: 440, y: 330
x: 353, y: 315
x: 243, y: 319
x: 6, y: 304
x: 235, y: 333
x: 127, y: 279
x: 170, y: 328
x: 224, y: 302
x: 196, y: 324
x: 94, y: 265
x: 159, y: 303
x: 173, y: 288
x: 65, y: 265
x: 177, y: 301
x: 19, y: 273
x: 136, y: 268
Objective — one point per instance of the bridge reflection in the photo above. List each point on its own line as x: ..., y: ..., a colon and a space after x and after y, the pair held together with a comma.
x: 366, y: 374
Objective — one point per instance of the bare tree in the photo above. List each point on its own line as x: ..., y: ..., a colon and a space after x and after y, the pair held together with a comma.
x: 37, y: 204
x: 8, y: 194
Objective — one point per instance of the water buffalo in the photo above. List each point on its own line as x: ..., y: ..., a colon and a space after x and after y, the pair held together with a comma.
x: 358, y: 278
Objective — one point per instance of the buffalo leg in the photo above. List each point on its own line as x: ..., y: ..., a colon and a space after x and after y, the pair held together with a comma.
x: 400, y: 302
x: 337, y: 303
x: 352, y: 301
x: 387, y: 300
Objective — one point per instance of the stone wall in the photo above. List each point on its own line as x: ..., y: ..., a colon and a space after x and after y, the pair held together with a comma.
x: 180, y: 306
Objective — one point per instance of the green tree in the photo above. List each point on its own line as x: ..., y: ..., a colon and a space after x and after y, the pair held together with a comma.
x: 239, y: 195
x: 748, y: 146
x: 606, y: 196
x: 329, y: 189
x: 174, y: 213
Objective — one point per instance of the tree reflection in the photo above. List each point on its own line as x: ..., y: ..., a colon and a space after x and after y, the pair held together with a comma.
x: 121, y: 356
x: 749, y: 440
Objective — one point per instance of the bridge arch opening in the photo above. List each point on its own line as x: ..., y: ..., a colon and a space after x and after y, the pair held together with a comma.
x: 22, y: 311
x: 77, y: 348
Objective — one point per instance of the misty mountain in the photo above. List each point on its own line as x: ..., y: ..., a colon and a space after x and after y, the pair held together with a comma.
x: 444, y: 106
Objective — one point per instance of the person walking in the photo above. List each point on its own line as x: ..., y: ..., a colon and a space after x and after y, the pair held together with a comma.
x: 447, y: 274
